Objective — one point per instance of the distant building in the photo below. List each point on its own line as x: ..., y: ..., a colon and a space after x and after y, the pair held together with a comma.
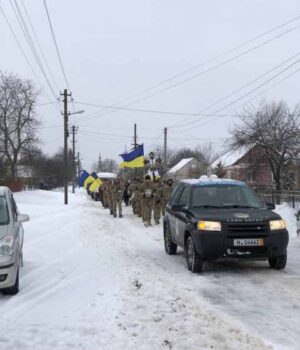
x: 248, y: 165
x: 109, y: 176
x: 187, y: 168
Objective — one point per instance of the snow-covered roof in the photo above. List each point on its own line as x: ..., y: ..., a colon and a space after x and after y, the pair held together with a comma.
x: 231, y: 157
x: 213, y: 181
x: 107, y: 175
x: 179, y: 165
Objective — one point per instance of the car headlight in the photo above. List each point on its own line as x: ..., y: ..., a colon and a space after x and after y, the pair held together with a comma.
x: 277, y: 225
x: 209, y: 226
x: 7, y: 245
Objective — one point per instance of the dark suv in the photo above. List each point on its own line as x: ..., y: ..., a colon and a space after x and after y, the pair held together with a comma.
x: 223, y: 218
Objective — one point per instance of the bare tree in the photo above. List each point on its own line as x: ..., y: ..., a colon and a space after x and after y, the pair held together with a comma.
x: 275, y: 128
x: 18, y: 124
x: 107, y: 165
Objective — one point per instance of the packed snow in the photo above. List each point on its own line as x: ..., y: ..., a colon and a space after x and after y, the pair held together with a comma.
x: 93, y: 282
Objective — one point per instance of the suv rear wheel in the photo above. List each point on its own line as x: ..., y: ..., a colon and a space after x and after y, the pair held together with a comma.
x: 170, y: 247
x: 193, y: 259
x: 279, y: 262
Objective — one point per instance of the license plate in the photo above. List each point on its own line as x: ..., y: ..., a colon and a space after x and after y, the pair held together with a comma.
x: 248, y: 242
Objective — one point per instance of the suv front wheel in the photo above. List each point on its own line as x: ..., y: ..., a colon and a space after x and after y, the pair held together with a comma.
x: 193, y: 259
x: 279, y: 262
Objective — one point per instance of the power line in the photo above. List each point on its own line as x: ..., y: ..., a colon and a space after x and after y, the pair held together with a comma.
x: 193, y: 114
x: 30, y: 42
x: 56, y: 46
x: 215, y: 66
x: 217, y: 56
x: 38, y: 43
x: 240, y: 89
x: 207, y: 61
x: 146, y: 111
x: 23, y: 52
x: 241, y: 97
x: 212, y: 68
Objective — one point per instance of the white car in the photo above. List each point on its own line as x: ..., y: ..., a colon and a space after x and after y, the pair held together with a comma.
x: 11, y: 242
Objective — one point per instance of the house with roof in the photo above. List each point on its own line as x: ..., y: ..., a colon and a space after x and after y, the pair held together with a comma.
x: 187, y: 168
x: 246, y: 164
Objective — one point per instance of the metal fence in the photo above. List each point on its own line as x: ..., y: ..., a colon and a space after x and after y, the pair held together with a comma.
x: 291, y: 198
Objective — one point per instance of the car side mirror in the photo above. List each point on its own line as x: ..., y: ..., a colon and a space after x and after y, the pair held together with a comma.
x: 270, y: 206
x: 179, y: 207
x: 22, y: 218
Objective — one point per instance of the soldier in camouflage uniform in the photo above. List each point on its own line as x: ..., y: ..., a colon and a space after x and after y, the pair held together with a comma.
x: 110, y: 200
x: 157, y: 200
x: 132, y: 190
x: 117, y: 198
x: 139, y: 199
x: 166, y: 192
x: 105, y: 188
x: 147, y: 193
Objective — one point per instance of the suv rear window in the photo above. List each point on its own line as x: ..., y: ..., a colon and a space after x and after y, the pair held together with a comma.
x: 224, y: 196
x: 4, y: 218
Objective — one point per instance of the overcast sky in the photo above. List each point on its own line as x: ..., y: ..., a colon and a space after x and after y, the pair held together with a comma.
x: 113, y: 50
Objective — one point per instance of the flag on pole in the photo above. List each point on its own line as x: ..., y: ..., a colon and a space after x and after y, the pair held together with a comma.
x: 95, y: 185
x: 133, y: 159
x: 84, y: 175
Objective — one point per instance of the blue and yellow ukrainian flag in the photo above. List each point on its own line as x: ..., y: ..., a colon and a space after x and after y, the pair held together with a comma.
x: 133, y: 159
x: 84, y: 175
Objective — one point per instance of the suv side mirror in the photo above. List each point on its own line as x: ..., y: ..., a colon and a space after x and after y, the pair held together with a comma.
x: 178, y: 207
x: 23, y: 218
x: 270, y: 206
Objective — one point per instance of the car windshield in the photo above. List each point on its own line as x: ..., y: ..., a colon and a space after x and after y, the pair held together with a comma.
x: 224, y: 196
x: 3, y: 211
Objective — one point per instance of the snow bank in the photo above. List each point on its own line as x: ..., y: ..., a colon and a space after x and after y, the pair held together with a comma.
x: 288, y: 214
x: 94, y: 282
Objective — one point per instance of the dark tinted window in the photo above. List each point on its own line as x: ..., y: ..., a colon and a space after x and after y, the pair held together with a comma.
x: 185, y: 196
x: 224, y: 196
x: 176, y: 193
x: 4, y: 219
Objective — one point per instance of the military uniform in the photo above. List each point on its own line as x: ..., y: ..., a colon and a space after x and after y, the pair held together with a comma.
x: 157, y: 201
x: 110, y: 200
x: 147, y: 194
x: 132, y: 189
x: 166, y: 192
x: 105, y: 190
x: 117, y: 197
x: 139, y: 198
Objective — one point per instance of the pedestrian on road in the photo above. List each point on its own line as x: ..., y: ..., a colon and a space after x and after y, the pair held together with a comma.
x: 166, y: 192
x: 117, y: 198
x: 147, y: 193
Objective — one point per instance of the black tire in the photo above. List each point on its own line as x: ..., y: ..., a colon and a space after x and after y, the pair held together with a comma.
x: 193, y: 259
x: 14, y: 289
x: 279, y: 262
x: 170, y: 247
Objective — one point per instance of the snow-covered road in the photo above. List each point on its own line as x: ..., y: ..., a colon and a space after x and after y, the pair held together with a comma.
x: 94, y: 282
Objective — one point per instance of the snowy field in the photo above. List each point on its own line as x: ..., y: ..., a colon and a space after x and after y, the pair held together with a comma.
x: 93, y: 282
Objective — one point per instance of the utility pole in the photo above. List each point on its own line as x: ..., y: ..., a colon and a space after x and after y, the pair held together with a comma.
x: 78, y: 165
x: 66, y: 135
x: 73, y: 132
x: 135, y: 137
x: 165, y: 148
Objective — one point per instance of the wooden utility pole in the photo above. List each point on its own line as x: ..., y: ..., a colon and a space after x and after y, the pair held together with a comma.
x: 73, y: 132
x: 78, y: 165
x: 165, y: 148
x: 135, y: 137
x: 66, y: 135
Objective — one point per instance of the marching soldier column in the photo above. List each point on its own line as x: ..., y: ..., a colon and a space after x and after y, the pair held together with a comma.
x: 148, y: 196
